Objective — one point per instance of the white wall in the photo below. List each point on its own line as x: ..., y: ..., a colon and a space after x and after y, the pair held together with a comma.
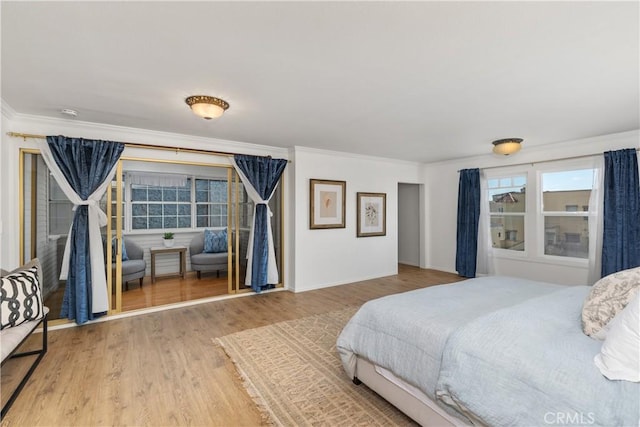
x: 329, y: 257
x: 315, y: 258
x: 409, y: 224
x: 441, y: 190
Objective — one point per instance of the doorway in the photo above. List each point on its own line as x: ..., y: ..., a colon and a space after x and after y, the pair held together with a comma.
x: 149, y: 198
x: 409, y: 229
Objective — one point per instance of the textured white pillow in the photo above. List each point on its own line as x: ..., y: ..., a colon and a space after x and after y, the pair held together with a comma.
x: 607, y: 298
x: 619, y: 357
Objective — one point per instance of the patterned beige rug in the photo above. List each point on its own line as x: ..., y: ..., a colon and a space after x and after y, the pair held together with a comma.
x: 294, y: 374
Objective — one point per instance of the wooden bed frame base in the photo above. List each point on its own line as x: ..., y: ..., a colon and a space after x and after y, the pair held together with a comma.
x: 424, y: 414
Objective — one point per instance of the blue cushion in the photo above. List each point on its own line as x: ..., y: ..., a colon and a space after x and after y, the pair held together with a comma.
x: 215, y: 241
x: 125, y: 257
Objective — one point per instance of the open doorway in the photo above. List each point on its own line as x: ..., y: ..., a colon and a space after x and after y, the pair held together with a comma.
x: 149, y: 199
x: 409, y: 230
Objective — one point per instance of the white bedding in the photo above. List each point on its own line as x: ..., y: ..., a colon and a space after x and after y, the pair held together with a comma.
x: 406, y: 333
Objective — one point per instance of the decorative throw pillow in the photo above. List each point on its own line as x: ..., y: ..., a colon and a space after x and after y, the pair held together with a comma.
x: 215, y: 241
x: 21, y: 298
x: 620, y: 353
x: 114, y: 242
x: 608, y: 296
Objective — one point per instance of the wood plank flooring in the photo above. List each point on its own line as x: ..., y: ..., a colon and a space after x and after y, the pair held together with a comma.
x: 162, y: 368
x: 167, y: 290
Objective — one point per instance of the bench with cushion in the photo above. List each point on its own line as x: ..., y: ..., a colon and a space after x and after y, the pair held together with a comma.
x: 22, y: 312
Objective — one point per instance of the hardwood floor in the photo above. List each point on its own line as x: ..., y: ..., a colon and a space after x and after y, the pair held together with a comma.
x: 163, y: 368
x: 165, y: 291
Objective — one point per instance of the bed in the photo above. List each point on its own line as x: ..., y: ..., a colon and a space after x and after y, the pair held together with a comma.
x: 487, y: 351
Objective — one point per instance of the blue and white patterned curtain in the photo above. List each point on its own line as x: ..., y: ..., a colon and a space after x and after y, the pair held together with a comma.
x: 83, y: 169
x: 260, y: 176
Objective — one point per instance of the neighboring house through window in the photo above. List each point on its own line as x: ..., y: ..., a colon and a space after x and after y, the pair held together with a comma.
x: 555, y: 226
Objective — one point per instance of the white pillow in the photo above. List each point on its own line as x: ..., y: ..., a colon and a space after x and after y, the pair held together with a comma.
x: 619, y: 357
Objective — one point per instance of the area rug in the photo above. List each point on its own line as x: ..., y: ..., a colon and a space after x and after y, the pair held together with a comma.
x: 294, y: 374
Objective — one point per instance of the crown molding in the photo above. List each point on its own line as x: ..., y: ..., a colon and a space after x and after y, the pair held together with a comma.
x: 344, y: 154
x: 7, y: 111
x: 33, y: 124
x: 545, y: 152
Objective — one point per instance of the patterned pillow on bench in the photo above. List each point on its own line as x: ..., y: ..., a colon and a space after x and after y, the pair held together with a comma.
x: 21, y: 298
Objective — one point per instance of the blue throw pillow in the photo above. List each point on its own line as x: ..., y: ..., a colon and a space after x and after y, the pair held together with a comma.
x: 215, y: 241
x: 114, y: 241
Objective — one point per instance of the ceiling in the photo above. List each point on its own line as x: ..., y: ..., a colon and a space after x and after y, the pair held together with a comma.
x: 423, y: 81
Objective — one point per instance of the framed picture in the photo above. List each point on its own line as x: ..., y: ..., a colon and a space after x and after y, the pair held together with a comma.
x: 372, y: 214
x: 327, y: 201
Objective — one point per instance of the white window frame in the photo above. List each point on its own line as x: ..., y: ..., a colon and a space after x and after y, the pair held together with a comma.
x: 534, y: 215
x: 564, y: 166
x: 128, y: 210
x: 511, y: 173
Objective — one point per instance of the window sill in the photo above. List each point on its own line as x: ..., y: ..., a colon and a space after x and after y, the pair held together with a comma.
x: 548, y: 260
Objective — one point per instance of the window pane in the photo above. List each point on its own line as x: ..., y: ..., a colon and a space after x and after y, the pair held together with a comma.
x: 507, y: 232
x: 139, y: 209
x: 519, y: 181
x: 170, y: 222
x: 566, y: 191
x: 155, y: 210
x: 203, y: 221
x: 184, y: 209
x: 155, y: 222
x: 184, y: 222
x: 169, y: 194
x: 139, y: 194
x: 202, y: 209
x: 170, y: 209
x: 202, y: 196
x: 184, y: 195
x: 566, y: 236
x: 139, y: 223
x: 508, y: 195
x: 155, y: 194
x: 202, y: 185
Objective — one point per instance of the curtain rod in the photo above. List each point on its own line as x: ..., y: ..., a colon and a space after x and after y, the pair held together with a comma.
x: 584, y: 156
x: 139, y: 145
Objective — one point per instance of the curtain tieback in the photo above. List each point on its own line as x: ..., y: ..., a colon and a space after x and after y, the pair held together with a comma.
x: 94, y: 207
x: 266, y: 203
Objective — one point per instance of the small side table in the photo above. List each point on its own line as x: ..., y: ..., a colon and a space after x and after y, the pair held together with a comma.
x: 182, y: 250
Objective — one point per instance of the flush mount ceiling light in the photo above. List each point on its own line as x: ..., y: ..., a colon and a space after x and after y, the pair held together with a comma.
x: 507, y: 146
x: 207, y: 107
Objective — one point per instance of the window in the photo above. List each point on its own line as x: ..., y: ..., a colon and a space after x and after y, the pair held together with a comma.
x: 60, y: 209
x: 211, y: 203
x: 160, y: 207
x: 566, y: 228
x: 507, y: 209
x: 201, y: 203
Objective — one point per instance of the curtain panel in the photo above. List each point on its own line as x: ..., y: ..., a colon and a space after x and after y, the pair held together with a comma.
x: 621, y: 228
x: 260, y: 176
x: 83, y: 169
x: 468, y: 218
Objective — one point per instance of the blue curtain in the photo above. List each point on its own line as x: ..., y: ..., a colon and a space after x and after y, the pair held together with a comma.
x: 621, y: 227
x: 263, y: 174
x: 468, y: 217
x: 85, y: 164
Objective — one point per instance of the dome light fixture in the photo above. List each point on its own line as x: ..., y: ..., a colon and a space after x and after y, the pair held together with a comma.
x: 507, y: 146
x: 207, y: 107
